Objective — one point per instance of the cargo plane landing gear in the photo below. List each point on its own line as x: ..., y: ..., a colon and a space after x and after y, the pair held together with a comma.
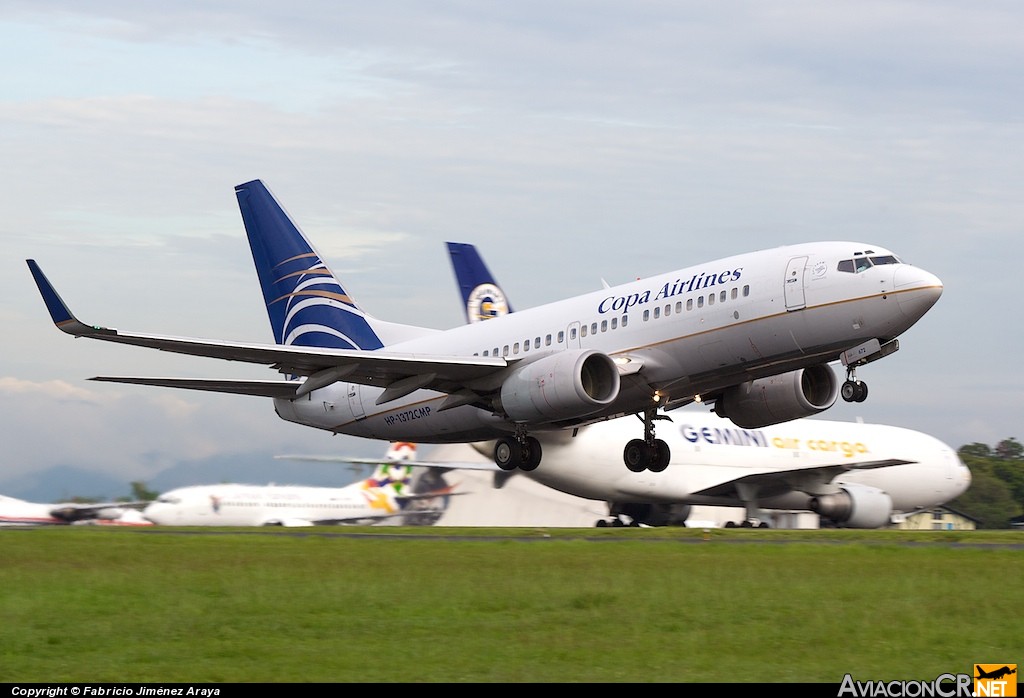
x: 748, y: 494
x: 647, y: 453
x: 747, y: 523
x: 616, y: 522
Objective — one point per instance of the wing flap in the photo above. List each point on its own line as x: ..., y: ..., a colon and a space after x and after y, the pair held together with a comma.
x: 774, y: 481
x: 262, y: 388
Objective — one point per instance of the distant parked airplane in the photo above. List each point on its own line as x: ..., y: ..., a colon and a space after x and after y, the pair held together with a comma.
x: 384, y: 495
x: 752, y: 333
x: 18, y: 512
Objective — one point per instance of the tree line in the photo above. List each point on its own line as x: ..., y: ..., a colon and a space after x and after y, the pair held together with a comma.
x: 996, y: 494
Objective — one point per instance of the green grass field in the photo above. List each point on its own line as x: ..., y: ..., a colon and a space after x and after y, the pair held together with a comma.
x: 84, y: 604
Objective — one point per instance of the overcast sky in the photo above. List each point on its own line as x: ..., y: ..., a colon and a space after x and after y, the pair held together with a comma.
x: 571, y: 141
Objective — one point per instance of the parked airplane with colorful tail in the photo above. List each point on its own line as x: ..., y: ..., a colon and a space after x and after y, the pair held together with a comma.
x: 385, y: 495
x: 752, y: 334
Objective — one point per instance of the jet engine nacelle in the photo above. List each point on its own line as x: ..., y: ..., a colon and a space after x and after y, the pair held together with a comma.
x: 776, y: 399
x: 856, y: 506
x: 564, y: 385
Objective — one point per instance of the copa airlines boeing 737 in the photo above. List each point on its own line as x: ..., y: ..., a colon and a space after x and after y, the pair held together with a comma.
x: 384, y: 495
x: 753, y: 333
x: 853, y: 474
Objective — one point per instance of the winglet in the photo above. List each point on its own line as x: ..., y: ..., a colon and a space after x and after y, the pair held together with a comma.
x: 58, y: 309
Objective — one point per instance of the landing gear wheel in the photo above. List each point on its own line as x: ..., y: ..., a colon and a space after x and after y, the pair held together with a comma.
x: 510, y: 453
x: 862, y: 392
x: 660, y: 457
x: 636, y: 455
x: 505, y: 452
x: 854, y: 391
x: 531, y: 454
x: 848, y: 391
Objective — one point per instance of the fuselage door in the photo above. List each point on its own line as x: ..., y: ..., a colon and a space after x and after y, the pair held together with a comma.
x: 355, y: 403
x: 572, y: 336
x: 794, y: 284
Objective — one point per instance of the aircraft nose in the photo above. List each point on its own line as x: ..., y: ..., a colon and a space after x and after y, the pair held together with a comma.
x: 965, y: 479
x: 916, y: 290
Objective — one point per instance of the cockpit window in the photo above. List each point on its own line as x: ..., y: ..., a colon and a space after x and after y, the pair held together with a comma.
x: 860, y: 262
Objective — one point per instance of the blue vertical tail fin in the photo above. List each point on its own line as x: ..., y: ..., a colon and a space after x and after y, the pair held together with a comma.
x: 306, y: 303
x: 482, y: 298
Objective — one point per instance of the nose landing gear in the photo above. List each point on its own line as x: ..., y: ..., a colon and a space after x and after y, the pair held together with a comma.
x: 853, y: 390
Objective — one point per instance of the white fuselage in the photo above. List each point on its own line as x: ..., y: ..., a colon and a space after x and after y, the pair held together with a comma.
x: 682, y: 334
x: 17, y: 512
x: 709, y: 452
x: 255, y: 505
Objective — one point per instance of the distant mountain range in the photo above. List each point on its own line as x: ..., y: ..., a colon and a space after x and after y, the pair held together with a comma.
x: 64, y: 482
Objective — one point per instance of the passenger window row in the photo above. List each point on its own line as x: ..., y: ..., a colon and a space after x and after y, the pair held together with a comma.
x: 699, y: 302
x: 614, y: 323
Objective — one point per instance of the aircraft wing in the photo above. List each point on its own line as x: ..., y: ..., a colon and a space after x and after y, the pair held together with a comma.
x: 350, y: 521
x: 370, y: 520
x: 444, y: 465
x: 73, y: 511
x: 380, y: 368
x: 770, y: 482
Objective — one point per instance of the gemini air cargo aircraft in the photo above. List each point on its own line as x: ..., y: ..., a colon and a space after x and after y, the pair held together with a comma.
x: 752, y: 334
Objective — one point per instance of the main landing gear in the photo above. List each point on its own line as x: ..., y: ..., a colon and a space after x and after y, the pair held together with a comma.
x: 647, y: 453
x: 748, y: 494
x: 617, y: 522
x: 747, y: 523
x: 520, y: 452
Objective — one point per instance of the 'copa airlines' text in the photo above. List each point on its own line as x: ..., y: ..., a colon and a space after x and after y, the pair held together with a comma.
x: 622, y: 304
